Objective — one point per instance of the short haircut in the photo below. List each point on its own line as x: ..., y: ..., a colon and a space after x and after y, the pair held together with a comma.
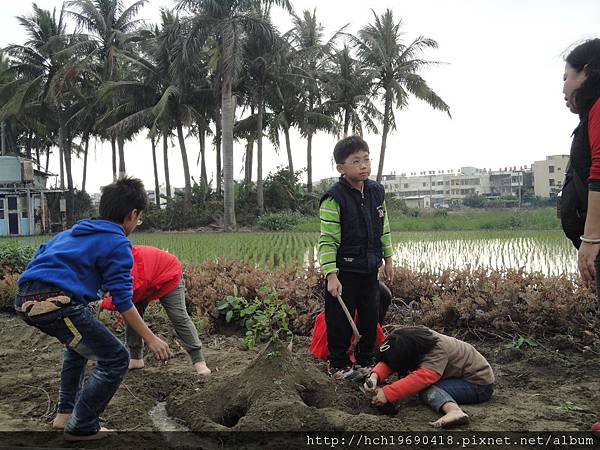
x: 121, y: 197
x: 345, y: 147
x: 404, y: 349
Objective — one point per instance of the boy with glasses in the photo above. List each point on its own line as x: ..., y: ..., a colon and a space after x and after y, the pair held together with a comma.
x: 355, y: 239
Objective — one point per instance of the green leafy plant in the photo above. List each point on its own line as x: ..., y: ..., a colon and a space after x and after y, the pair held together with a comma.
x: 569, y: 407
x: 14, y: 258
x: 522, y: 341
x: 278, y: 221
x: 263, y: 318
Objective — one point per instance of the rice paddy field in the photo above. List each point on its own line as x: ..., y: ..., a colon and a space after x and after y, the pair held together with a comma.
x: 548, y: 252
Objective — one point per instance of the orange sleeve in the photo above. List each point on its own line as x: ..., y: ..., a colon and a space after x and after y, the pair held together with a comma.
x: 382, y: 370
x: 411, y: 384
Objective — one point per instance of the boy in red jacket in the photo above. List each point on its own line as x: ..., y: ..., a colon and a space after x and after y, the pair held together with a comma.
x: 157, y: 275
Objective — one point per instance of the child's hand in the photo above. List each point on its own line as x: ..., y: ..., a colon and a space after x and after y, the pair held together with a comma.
x: 372, y: 386
x: 334, y: 287
x: 388, y: 269
x: 160, y: 349
x: 379, y: 399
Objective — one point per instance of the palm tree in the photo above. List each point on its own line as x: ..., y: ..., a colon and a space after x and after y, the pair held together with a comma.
x: 44, y: 77
x: 311, y: 56
x: 394, y: 67
x: 230, y: 21
x: 112, y: 29
x: 347, y: 85
x: 260, y: 65
x: 283, y: 96
x: 164, y: 92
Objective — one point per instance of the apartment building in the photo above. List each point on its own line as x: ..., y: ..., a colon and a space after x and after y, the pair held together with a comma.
x: 433, y: 189
x: 549, y: 174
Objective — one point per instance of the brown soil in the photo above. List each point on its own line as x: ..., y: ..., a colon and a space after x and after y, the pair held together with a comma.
x: 271, y: 389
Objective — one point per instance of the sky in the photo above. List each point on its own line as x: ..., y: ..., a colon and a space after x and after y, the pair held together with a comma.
x: 501, y: 68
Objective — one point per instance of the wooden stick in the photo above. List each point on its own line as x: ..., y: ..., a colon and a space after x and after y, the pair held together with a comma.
x: 350, y: 320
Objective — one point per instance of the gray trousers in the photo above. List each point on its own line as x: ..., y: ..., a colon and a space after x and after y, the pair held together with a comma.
x: 174, y: 304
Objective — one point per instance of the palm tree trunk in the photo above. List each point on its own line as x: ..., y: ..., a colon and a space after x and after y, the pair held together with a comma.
x: 61, y: 146
x: 37, y: 153
x: 227, y: 108
x: 66, y: 146
x: 386, y: 128
x: 155, y: 167
x: 218, y: 138
x: 28, y: 144
x: 86, y: 141
x: 121, y: 143
x: 309, y: 185
x: 248, y: 166
x: 113, y: 147
x: 47, y: 157
x: 187, y: 196
x: 260, y: 198
x: 346, y: 121
x: 166, y: 164
x: 203, y: 175
x: 288, y: 147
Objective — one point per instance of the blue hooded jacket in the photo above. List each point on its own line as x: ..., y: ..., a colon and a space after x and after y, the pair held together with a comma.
x: 91, y: 257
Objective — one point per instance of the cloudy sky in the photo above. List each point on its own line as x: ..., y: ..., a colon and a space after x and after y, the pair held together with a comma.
x: 501, y: 75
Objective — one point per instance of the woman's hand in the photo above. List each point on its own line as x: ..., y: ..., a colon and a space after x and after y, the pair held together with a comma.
x: 371, y: 387
x: 379, y: 399
x: 586, y: 258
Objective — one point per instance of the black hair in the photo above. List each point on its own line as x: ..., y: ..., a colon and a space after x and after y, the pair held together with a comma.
x: 121, y: 197
x: 385, y: 299
x: 345, y: 147
x: 404, y: 349
x: 586, y: 56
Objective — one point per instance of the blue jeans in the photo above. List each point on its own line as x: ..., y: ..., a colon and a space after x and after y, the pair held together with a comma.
x: 455, y: 390
x: 85, y: 338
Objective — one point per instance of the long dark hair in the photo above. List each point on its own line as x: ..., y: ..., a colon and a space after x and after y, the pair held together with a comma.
x: 586, y: 56
x: 405, y: 347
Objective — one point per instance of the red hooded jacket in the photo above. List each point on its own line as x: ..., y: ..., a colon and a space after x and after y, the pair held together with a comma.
x: 155, y: 273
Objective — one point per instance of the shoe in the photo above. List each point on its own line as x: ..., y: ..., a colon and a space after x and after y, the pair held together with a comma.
x: 352, y: 373
x: 100, y: 434
x: 337, y: 373
x: 596, y: 429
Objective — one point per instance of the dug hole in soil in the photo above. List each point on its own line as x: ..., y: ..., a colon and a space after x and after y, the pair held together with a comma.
x: 271, y: 389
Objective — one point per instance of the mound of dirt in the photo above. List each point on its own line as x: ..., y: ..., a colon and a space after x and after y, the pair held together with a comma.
x: 271, y: 389
x: 277, y: 391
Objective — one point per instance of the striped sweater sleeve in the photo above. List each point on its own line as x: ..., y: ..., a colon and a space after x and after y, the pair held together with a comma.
x: 331, y: 235
x: 386, y: 236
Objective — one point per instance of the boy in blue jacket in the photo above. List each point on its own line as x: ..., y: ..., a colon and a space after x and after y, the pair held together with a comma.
x: 67, y: 273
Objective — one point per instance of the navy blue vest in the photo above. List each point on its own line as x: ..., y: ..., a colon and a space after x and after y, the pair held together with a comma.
x: 361, y: 218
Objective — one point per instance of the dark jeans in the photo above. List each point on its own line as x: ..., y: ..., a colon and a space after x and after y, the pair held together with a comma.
x: 455, y: 390
x: 85, y: 338
x: 360, y: 292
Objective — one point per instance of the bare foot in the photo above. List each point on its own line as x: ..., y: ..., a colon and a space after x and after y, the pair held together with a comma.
x: 136, y: 364
x: 103, y: 433
x: 202, y: 368
x: 60, y: 420
x: 451, y: 419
